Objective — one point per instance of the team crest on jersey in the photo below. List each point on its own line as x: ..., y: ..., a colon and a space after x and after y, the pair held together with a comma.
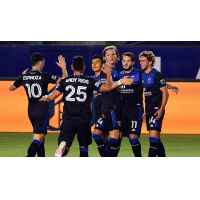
x: 133, y: 77
x: 149, y: 80
x: 162, y: 81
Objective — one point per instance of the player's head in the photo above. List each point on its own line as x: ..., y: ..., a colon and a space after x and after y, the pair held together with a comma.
x: 37, y: 60
x: 111, y: 55
x: 147, y: 59
x: 97, y: 63
x: 128, y: 60
x: 78, y: 64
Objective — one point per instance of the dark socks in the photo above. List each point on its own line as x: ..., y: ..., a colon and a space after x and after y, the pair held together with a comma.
x: 161, y: 149
x: 65, y: 152
x: 106, y: 143
x: 153, y: 150
x: 119, y: 145
x: 84, y: 152
x: 112, y: 147
x: 100, y: 144
x: 33, y: 148
x: 136, y: 147
x: 41, y: 150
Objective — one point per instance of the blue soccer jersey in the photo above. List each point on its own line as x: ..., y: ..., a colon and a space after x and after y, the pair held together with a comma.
x: 131, y: 95
x: 152, y: 83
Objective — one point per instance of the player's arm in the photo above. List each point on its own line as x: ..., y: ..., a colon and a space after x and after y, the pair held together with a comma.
x: 165, y: 96
x: 51, y: 97
x: 62, y: 64
x: 124, y: 81
x: 108, y: 86
x: 12, y: 87
x: 173, y: 88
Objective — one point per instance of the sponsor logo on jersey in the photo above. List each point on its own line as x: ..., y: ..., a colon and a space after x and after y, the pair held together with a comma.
x: 119, y: 123
x: 97, y: 83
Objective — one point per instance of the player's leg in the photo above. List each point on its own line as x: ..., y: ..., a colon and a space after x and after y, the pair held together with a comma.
x: 41, y: 149
x: 135, y: 126
x: 97, y: 132
x: 84, y: 138
x: 113, y: 119
x: 105, y: 138
x: 66, y: 137
x: 161, y: 148
x: 119, y: 142
x: 153, y: 140
x: 38, y: 124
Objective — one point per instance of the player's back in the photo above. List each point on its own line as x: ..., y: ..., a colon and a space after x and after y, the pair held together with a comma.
x: 36, y: 85
x: 77, y: 97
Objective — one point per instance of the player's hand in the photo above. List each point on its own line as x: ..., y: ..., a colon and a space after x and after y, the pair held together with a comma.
x: 44, y: 98
x: 159, y: 113
x: 175, y: 89
x: 126, y: 80
x: 24, y: 72
x: 103, y: 116
x: 61, y: 62
x: 106, y: 68
x: 144, y: 117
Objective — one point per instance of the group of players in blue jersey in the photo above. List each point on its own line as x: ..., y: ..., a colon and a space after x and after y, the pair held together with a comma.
x: 118, y: 101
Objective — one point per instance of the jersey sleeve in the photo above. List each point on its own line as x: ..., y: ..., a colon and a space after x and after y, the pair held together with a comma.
x: 160, y: 80
x: 60, y: 87
x: 95, y: 85
x: 18, y: 82
x: 51, y: 78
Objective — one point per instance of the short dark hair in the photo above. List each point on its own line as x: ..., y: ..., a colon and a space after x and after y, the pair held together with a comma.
x: 130, y: 55
x: 78, y: 63
x: 98, y: 56
x: 36, y: 57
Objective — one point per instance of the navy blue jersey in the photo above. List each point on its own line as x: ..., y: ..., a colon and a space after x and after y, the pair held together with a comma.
x: 97, y: 101
x: 36, y: 85
x: 132, y: 95
x: 110, y: 100
x: 77, y: 97
x: 152, y: 83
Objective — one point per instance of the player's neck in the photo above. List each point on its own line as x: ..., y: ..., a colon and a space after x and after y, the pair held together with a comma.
x: 113, y: 65
x: 97, y: 73
x: 76, y: 73
x: 128, y: 72
x: 148, y: 70
x: 36, y: 68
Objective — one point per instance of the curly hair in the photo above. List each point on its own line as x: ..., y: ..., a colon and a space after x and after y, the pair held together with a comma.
x: 150, y: 56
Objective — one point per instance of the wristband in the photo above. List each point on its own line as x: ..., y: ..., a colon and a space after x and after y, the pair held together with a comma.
x: 119, y: 82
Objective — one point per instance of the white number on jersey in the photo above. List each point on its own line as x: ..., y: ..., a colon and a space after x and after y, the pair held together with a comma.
x: 133, y: 125
x: 79, y: 92
x: 31, y: 92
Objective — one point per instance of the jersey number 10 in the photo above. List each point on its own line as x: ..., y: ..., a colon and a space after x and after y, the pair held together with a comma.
x: 31, y: 92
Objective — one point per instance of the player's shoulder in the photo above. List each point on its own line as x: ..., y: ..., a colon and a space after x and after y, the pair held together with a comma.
x: 155, y: 71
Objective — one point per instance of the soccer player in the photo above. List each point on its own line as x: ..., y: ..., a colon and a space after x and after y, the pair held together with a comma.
x: 100, y: 132
x: 156, y: 97
x: 35, y: 83
x: 77, y: 92
x: 132, y: 103
x: 111, y: 101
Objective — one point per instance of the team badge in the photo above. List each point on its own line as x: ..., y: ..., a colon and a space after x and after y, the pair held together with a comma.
x: 162, y: 81
x: 133, y: 77
x: 149, y: 80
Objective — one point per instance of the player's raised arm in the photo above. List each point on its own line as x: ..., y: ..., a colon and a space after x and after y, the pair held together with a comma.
x: 62, y: 64
x: 173, y: 88
x: 12, y: 87
x: 108, y: 86
x: 165, y: 96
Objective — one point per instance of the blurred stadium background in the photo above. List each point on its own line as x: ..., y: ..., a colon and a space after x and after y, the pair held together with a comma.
x: 178, y: 61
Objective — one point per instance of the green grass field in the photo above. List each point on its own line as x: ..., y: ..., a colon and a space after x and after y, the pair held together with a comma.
x: 16, y: 145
